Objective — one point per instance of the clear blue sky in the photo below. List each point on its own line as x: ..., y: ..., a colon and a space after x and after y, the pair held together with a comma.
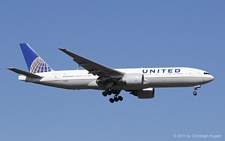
x: 117, y: 34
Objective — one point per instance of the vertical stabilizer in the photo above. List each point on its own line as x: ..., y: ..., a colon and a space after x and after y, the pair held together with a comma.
x: 34, y: 62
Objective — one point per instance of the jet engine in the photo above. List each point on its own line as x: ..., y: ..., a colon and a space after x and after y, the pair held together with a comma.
x: 145, y: 93
x: 133, y: 79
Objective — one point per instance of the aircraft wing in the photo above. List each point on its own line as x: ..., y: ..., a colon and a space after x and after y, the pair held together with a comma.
x: 30, y: 75
x: 93, y: 67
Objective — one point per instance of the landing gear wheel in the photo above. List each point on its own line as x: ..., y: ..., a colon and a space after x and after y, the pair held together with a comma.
x: 109, y: 92
x: 120, y: 98
x: 116, y: 99
x: 194, y: 93
x: 111, y: 100
x: 104, y: 93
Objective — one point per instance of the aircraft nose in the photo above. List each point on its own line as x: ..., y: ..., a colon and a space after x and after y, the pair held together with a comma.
x: 209, y: 78
x: 212, y: 78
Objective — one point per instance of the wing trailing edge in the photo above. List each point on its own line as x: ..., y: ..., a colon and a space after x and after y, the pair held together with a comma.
x: 93, y: 67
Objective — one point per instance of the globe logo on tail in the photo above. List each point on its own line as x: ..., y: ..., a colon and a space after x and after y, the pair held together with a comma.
x: 39, y: 66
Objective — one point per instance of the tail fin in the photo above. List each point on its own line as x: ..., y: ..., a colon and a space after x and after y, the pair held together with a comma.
x: 34, y: 62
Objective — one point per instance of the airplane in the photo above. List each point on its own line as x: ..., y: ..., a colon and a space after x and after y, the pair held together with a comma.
x: 140, y: 82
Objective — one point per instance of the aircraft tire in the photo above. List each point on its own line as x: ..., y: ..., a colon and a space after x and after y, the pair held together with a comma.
x: 120, y: 98
x: 116, y: 99
x: 195, y: 93
x: 111, y: 100
x: 104, y: 93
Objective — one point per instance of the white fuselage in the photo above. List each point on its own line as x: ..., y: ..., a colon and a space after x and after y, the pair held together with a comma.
x: 153, y: 77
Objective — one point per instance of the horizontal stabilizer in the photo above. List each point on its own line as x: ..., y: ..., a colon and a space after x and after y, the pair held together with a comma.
x: 30, y: 75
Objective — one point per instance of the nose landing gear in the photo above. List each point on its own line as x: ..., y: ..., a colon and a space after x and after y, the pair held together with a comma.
x: 195, y: 89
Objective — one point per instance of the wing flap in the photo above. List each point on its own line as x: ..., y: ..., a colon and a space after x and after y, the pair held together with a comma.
x: 30, y: 75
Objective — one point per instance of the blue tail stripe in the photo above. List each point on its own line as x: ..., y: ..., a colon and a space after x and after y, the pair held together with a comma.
x: 34, y: 62
x: 29, y: 54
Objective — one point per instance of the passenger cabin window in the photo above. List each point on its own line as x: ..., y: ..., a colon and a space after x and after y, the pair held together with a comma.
x: 206, y: 73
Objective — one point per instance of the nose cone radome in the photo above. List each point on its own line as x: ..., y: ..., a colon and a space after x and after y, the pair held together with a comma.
x: 209, y: 78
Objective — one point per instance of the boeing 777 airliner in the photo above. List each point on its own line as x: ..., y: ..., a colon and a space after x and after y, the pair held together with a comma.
x: 140, y: 82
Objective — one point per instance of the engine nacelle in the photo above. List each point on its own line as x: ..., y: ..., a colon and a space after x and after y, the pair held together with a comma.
x: 145, y: 93
x: 133, y: 79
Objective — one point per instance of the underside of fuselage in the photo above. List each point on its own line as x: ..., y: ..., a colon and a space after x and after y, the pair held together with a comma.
x: 153, y: 83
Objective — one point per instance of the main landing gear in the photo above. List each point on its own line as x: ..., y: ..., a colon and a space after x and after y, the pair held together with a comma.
x: 195, y: 89
x: 116, y: 98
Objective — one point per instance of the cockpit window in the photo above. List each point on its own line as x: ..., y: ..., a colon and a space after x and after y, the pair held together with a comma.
x: 206, y: 73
